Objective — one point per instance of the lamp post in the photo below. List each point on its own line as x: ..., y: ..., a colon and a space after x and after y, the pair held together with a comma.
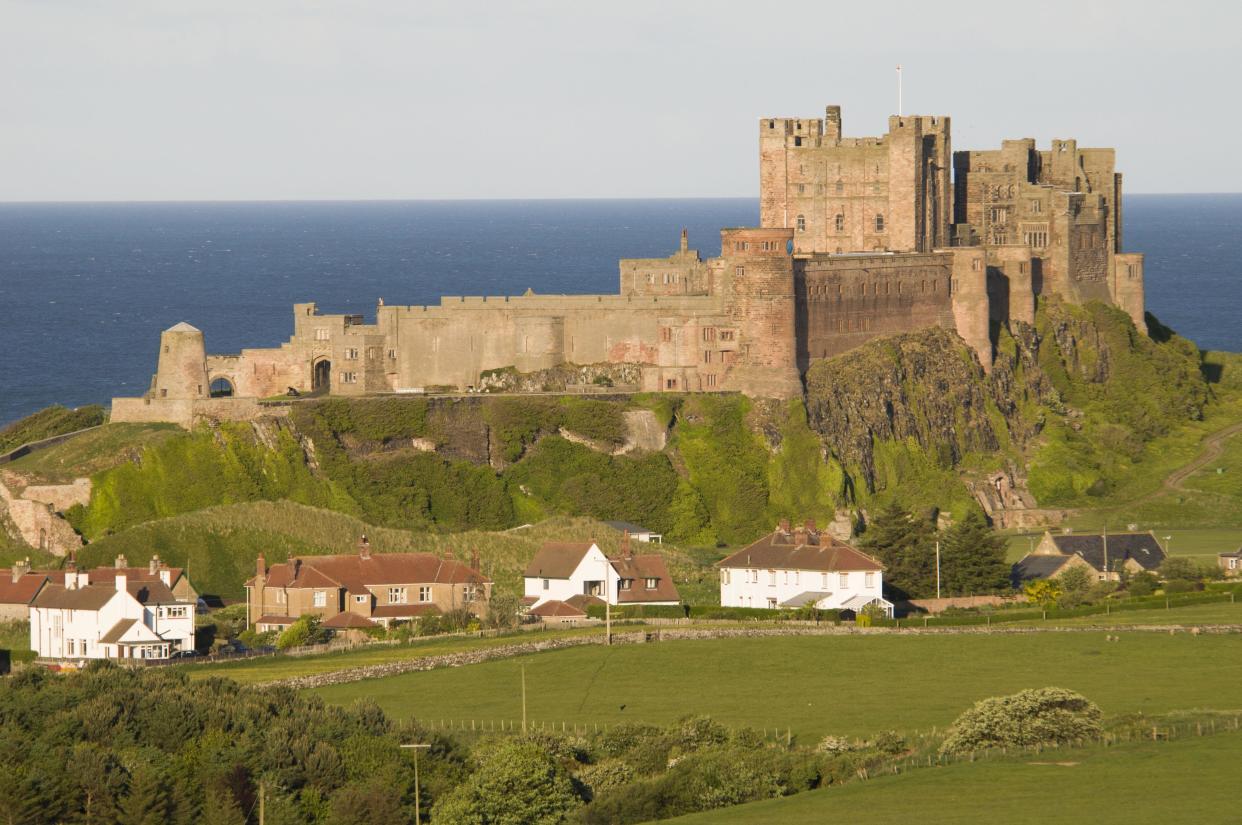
x: 416, y: 747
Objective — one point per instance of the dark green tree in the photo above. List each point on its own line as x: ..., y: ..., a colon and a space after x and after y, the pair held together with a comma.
x: 905, y: 545
x: 517, y: 783
x: 972, y: 558
x: 147, y: 800
x: 220, y: 808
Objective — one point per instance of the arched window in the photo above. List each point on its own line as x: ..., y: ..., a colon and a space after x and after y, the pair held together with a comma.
x: 839, y: 222
x: 801, y: 223
x: 879, y: 223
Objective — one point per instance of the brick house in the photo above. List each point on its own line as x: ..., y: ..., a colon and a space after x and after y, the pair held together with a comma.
x: 18, y: 590
x: 355, y: 591
x: 1104, y: 555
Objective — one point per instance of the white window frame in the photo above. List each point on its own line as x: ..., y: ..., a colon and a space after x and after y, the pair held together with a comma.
x: 424, y: 594
x: 397, y: 595
x: 652, y: 582
x: 843, y: 579
x: 869, y: 580
x: 320, y: 599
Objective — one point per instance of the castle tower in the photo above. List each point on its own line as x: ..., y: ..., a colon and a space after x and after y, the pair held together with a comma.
x: 182, y: 370
x: 758, y: 268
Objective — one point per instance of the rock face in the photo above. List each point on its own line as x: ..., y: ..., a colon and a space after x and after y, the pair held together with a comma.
x: 35, y: 514
x: 924, y: 386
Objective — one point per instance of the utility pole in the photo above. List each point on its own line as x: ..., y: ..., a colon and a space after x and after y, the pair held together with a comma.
x: 1106, y: 551
x: 523, y: 700
x: 262, y: 802
x: 937, y: 540
x: 416, y: 747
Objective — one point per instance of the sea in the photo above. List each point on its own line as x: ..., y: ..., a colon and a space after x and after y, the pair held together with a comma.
x: 86, y: 288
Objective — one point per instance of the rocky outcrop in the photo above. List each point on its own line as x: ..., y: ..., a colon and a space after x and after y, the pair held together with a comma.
x: 563, y: 378
x: 39, y: 523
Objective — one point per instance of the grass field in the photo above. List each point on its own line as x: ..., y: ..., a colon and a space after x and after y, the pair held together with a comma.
x: 270, y: 668
x: 1182, y: 781
x: 846, y: 685
x: 1199, y: 542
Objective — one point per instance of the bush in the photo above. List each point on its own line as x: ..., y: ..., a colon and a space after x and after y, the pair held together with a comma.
x: 1180, y: 586
x: 1042, y: 716
x: 305, y: 631
x: 1142, y: 584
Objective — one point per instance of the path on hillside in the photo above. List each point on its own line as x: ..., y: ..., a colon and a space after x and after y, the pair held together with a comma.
x: 1212, y: 449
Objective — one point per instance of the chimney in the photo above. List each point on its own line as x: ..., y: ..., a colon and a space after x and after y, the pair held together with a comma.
x: 166, y: 576
x: 120, y: 582
x: 260, y: 568
x: 71, y: 581
x: 784, y: 526
x: 799, y: 535
x: 364, y: 547
x: 84, y: 579
x: 627, y: 549
x: 71, y: 563
x: 153, y: 564
x: 121, y: 561
x: 474, y: 560
x: 685, y: 241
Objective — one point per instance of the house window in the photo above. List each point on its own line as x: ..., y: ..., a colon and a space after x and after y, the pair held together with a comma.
x: 724, y: 576
x: 396, y: 595
x: 467, y: 593
x: 801, y: 220
x: 844, y: 580
x: 771, y: 578
x: 869, y: 579
x: 771, y: 604
x: 1233, y: 564
x: 321, y: 598
x: 424, y: 594
x: 281, y: 597
x: 625, y: 584
x: 823, y: 579
x: 879, y: 223
x: 839, y: 222
x: 546, y: 583
x: 797, y: 577
x: 176, y: 612
x: 351, y: 353
x: 322, y: 334
x: 71, y: 649
x: 361, y: 599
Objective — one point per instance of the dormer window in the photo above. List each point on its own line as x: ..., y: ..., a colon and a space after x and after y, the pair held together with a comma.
x: 625, y: 584
x: 652, y: 582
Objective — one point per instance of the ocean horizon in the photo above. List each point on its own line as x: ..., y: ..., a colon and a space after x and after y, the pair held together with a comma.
x: 86, y: 287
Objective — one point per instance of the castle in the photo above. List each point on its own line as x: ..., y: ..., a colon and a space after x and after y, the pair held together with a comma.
x: 858, y: 238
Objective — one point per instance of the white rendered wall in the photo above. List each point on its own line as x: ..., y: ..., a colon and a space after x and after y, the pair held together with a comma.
x: 738, y: 590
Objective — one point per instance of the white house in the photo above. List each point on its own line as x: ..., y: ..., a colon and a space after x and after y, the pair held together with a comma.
x: 124, y: 620
x: 794, y: 568
x: 561, y: 571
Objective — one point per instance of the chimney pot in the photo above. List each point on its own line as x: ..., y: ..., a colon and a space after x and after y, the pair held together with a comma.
x: 121, y: 561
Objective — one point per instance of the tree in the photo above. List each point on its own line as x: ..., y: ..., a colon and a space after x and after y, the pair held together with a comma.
x: 1180, y: 568
x: 1142, y: 584
x: 517, y: 783
x: 1043, y: 716
x: 906, y: 547
x: 1075, y: 583
x: 305, y: 631
x: 147, y: 801
x: 1042, y: 592
x: 220, y: 808
x: 972, y: 558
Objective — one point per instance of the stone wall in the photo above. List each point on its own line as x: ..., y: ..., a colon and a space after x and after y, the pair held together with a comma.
x: 38, y: 524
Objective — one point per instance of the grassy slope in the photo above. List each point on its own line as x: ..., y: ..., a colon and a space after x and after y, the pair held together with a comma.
x: 48, y: 422
x: 1186, y: 780
x: 220, y: 544
x: 851, y: 685
x: 92, y: 452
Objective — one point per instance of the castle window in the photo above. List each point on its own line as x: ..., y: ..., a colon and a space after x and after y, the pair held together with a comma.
x: 839, y: 222
x: 771, y: 124
x: 707, y: 356
x: 1037, y: 207
x: 802, y: 189
x: 727, y: 334
x: 322, y: 334
x: 1131, y: 271
x: 392, y: 355
x: 163, y: 393
x: 372, y: 353
x: 351, y: 354
x: 840, y: 187
x: 1021, y: 267
x: 666, y: 334
x: 879, y: 223
x: 998, y: 214
x: 976, y: 264
x: 1039, y: 240
x: 801, y: 221
x: 798, y: 141
x: 739, y: 271
x: 670, y: 384
x: 711, y: 379
x: 349, y: 378
x: 650, y: 277
x: 709, y: 334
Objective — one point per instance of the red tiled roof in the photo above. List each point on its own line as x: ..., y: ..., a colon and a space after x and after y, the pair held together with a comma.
x: 557, y: 560
x: 275, y: 619
x: 105, y: 575
x: 346, y: 620
x: 22, y: 591
x: 402, y: 611
x: 801, y: 551
x: 583, y: 601
x: 556, y: 607
x: 151, y: 592
x: 356, y: 573
x: 640, y: 568
x: 91, y: 597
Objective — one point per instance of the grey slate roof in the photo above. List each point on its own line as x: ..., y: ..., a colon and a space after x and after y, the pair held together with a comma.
x: 1141, y: 547
x: 809, y: 597
x: 634, y: 529
x: 1036, y: 567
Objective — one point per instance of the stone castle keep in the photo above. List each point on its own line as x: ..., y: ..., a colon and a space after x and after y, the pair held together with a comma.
x: 858, y: 238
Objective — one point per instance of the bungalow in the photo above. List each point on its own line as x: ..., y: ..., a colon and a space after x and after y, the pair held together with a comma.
x: 563, y: 570
x: 636, y: 531
x: 1103, y: 555
x: 797, y: 567
x: 18, y: 590
x: 125, y: 620
x: 1230, y: 563
x: 377, y: 588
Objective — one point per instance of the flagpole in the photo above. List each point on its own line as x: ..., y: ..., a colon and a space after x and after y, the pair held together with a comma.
x: 899, y: 112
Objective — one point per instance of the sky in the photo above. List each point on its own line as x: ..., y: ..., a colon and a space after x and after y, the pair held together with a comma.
x: 407, y: 99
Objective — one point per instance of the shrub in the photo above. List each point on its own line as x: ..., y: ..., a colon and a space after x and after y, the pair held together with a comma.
x: 1142, y: 584
x: 890, y: 742
x: 305, y: 631
x: 834, y: 745
x: 1041, y: 716
x: 1180, y: 586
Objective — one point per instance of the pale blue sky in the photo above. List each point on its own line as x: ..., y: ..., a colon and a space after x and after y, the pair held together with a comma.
x: 258, y: 99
